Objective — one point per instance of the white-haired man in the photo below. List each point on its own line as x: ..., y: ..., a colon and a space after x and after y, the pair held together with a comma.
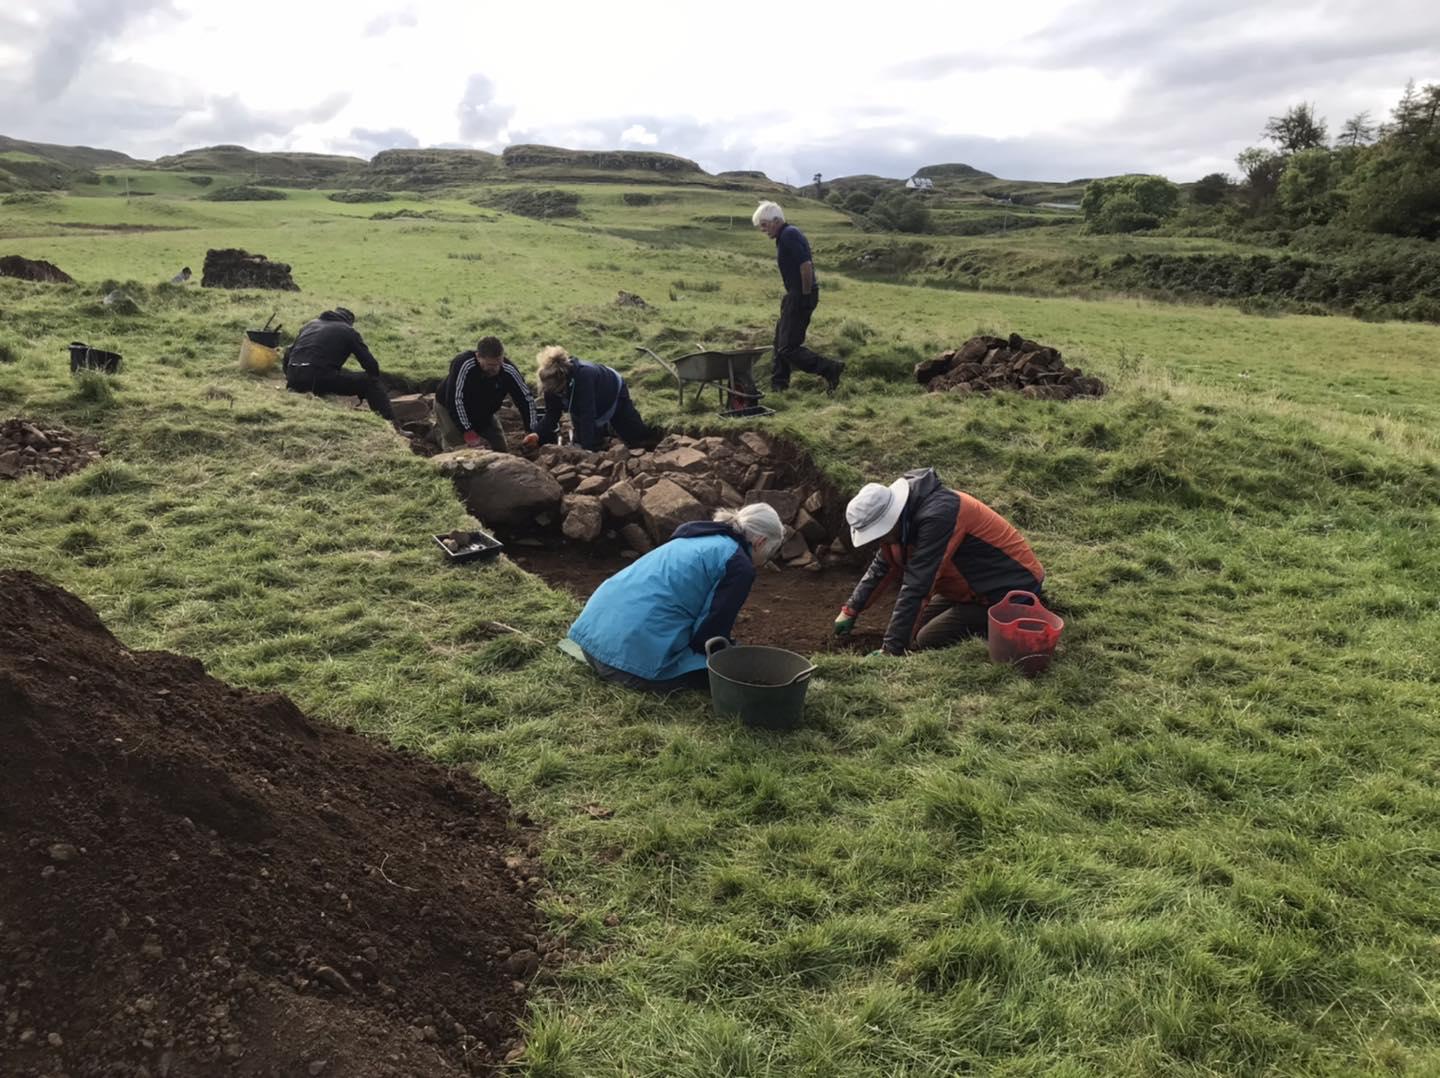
x: 802, y: 295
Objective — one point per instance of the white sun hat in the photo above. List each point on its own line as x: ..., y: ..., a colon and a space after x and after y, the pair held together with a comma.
x: 874, y: 511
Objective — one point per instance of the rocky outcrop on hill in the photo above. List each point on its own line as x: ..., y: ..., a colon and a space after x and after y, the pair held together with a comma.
x: 531, y: 156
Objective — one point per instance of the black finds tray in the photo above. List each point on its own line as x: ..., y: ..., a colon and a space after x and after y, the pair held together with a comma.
x: 479, y: 546
x: 751, y: 412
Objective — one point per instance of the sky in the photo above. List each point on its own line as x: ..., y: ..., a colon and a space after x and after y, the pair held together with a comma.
x: 1055, y: 90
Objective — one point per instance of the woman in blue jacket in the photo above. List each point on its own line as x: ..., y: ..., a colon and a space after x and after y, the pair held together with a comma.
x: 596, y: 398
x: 646, y: 627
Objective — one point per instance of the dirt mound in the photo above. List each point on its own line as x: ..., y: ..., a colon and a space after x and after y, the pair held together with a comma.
x: 233, y: 268
x: 28, y: 269
x: 27, y: 448
x: 985, y: 364
x: 195, y: 879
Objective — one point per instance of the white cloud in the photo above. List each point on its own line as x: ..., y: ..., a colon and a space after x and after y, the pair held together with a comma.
x: 637, y: 135
x: 1082, y: 87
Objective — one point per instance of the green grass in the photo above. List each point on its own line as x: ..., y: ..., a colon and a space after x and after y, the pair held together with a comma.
x: 1204, y: 844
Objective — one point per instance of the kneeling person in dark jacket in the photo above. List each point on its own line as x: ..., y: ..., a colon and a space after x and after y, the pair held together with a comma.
x: 646, y: 627
x: 596, y: 398
x: 950, y: 553
x: 473, y: 391
x: 313, y: 363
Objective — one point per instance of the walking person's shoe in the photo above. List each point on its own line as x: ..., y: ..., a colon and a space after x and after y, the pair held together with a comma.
x: 832, y: 376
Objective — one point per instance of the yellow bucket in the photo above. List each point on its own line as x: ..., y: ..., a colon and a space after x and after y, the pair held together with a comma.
x: 257, y: 358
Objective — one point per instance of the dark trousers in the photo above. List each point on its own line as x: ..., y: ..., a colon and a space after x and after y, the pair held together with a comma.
x: 699, y: 680
x: 948, y: 622
x: 629, y: 427
x: 790, y: 350
x: 306, y: 379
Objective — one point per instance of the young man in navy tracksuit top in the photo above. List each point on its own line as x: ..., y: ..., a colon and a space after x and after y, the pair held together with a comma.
x: 802, y: 296
x: 473, y: 391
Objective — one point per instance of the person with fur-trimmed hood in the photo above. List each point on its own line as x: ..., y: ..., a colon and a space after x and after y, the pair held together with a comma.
x: 313, y: 363
x: 802, y: 296
x: 951, y: 555
x: 647, y: 626
x: 472, y: 393
x: 596, y: 398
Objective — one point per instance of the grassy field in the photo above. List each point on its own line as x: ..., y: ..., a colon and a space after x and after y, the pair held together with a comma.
x: 1207, y: 843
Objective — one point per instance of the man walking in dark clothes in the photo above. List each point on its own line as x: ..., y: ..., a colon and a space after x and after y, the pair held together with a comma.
x: 802, y: 296
x: 313, y: 363
x: 473, y: 391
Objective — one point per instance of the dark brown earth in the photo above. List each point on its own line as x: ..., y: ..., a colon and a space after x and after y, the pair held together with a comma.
x: 234, y: 268
x: 30, y: 269
x: 31, y: 448
x: 985, y: 364
x: 789, y: 608
x: 196, y: 879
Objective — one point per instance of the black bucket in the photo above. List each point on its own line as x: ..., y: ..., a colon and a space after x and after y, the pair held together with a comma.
x: 270, y: 338
x: 765, y: 687
x: 85, y: 358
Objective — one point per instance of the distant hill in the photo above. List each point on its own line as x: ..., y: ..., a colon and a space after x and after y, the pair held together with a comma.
x: 70, y: 156
x: 419, y: 170
x: 281, y: 168
x: 39, y: 166
x: 953, y: 172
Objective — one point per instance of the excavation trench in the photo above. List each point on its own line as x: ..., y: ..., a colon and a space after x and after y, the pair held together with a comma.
x: 574, y: 518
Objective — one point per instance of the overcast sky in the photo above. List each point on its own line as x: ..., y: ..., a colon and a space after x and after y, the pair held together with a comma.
x: 1049, y: 90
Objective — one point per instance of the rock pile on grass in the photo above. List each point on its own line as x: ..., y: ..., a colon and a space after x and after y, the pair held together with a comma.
x: 635, y: 498
x: 28, y: 448
x: 196, y: 879
x: 234, y: 268
x: 29, y: 269
x: 986, y: 364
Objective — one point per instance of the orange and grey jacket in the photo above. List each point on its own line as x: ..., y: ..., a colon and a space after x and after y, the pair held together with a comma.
x: 951, y: 544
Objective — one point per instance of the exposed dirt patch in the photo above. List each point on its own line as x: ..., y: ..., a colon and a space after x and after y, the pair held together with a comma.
x: 791, y: 608
x: 195, y: 879
x: 32, y: 269
x: 28, y: 448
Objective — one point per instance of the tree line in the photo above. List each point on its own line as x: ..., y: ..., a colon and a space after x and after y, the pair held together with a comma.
x: 1374, y: 178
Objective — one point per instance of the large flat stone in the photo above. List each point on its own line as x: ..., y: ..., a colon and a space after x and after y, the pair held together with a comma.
x: 500, y: 489
x: 666, y: 506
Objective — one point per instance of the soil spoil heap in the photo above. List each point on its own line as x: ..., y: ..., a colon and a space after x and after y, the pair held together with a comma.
x: 234, y: 268
x: 985, y: 364
x: 32, y: 269
x: 196, y: 879
x: 27, y: 448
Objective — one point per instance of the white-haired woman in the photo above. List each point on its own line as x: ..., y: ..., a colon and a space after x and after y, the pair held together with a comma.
x: 596, y: 398
x: 646, y: 627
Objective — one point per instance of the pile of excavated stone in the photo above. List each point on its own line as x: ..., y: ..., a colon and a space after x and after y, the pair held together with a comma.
x: 636, y: 498
x: 27, y: 448
x: 985, y: 364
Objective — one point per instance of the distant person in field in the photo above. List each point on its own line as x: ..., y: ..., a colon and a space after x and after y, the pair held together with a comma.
x: 951, y: 555
x: 646, y: 627
x: 467, y: 401
x: 596, y: 398
x: 802, y: 295
x: 313, y: 363
x: 183, y: 277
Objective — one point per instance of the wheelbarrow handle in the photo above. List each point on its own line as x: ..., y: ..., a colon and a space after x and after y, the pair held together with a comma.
x: 669, y: 367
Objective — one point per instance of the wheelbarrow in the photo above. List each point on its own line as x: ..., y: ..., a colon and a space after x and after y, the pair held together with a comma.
x: 732, y: 374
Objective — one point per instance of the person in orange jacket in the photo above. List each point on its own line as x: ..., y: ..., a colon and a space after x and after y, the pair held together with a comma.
x: 949, y: 552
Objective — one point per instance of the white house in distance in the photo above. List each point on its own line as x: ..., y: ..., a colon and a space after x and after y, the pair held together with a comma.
x: 920, y: 183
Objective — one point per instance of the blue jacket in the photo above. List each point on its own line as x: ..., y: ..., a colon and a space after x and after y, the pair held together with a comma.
x: 594, y: 393
x: 653, y: 617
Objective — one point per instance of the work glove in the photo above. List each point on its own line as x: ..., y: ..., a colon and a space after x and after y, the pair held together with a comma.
x: 844, y: 624
x: 472, y: 439
x: 531, y: 440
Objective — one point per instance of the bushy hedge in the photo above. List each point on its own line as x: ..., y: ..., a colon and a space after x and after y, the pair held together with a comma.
x: 244, y: 193
x: 361, y: 196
